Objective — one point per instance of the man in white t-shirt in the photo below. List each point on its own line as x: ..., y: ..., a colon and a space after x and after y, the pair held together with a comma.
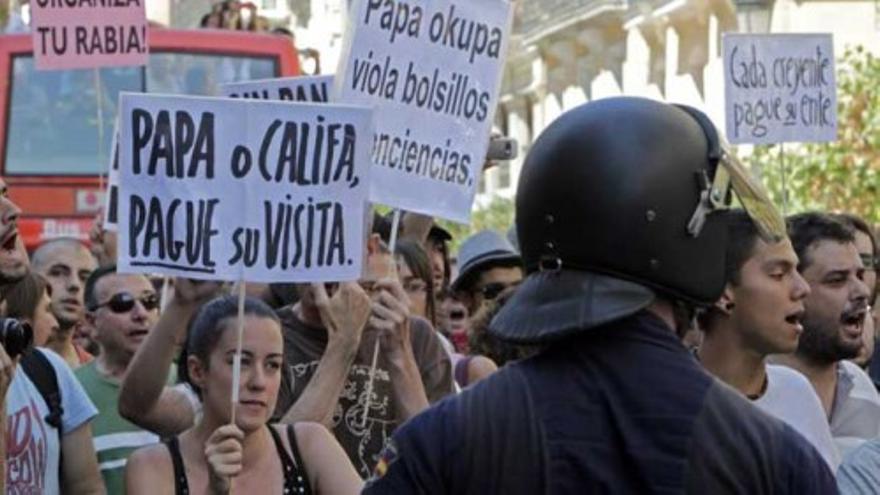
x: 759, y: 314
x: 36, y: 457
x: 836, y: 311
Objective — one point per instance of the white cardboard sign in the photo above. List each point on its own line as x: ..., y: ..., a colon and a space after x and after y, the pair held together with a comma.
x: 432, y: 71
x: 226, y: 189
x: 315, y: 89
x: 779, y: 88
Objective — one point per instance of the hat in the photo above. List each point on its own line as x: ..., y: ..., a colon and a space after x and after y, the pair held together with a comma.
x: 551, y: 304
x: 480, y: 251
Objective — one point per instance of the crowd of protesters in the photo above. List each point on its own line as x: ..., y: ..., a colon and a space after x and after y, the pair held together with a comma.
x: 126, y: 383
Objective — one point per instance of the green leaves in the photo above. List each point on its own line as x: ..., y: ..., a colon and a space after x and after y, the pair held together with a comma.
x: 842, y: 176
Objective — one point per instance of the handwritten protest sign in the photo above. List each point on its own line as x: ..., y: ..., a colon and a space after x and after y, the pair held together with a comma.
x: 111, y: 199
x: 432, y: 70
x: 76, y: 34
x: 780, y: 88
x: 314, y: 89
x: 226, y: 189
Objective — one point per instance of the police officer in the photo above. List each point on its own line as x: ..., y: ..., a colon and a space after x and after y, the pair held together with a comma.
x: 621, y: 221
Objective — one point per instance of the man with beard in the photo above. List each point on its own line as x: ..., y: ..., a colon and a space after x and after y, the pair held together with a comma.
x: 66, y: 263
x: 833, y: 323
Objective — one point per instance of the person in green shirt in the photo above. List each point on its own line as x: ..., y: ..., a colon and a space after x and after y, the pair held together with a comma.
x: 121, y: 310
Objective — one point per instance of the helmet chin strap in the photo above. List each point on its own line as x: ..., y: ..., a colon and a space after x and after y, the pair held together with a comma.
x: 713, y: 197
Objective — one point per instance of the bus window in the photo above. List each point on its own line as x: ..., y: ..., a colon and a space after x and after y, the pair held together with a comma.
x: 201, y: 74
x: 53, y: 120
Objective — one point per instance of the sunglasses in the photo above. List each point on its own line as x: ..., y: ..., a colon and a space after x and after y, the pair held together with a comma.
x: 491, y: 291
x: 123, y: 302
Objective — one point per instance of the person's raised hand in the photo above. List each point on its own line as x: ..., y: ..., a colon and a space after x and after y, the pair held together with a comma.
x: 188, y: 291
x: 390, y: 315
x: 344, y: 314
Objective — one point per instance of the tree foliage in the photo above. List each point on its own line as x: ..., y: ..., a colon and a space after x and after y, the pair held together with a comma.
x: 840, y: 176
x: 497, y: 215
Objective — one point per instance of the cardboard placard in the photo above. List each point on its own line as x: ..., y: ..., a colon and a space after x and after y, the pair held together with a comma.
x: 80, y: 34
x: 315, y: 89
x: 779, y: 88
x: 432, y: 71
x: 227, y: 189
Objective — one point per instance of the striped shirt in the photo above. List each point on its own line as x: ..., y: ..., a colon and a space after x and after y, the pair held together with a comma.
x: 115, y: 437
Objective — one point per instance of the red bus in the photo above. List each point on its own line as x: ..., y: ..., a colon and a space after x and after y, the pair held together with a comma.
x: 56, y: 126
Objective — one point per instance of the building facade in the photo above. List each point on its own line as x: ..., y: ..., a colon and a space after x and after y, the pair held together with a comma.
x: 567, y: 52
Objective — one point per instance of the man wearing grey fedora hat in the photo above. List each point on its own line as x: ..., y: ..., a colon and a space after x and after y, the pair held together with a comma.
x: 488, y: 264
x: 622, y: 220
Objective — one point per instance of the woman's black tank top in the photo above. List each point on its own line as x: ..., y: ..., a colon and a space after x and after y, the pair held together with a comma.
x: 296, y: 482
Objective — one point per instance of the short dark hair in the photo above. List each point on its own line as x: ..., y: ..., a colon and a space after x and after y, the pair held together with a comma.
x: 806, y: 229
x: 742, y: 234
x: 25, y: 295
x: 90, y: 297
x: 205, y: 329
x: 40, y: 256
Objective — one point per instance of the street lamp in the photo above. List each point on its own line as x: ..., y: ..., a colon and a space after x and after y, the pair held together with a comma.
x: 753, y: 16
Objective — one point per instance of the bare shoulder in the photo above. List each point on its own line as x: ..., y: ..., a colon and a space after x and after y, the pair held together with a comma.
x: 149, y: 470
x: 311, y: 438
x: 309, y: 434
x: 153, y: 460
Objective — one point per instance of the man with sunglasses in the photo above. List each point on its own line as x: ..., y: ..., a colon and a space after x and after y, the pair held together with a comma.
x: 121, y: 309
x: 488, y: 264
x: 833, y: 324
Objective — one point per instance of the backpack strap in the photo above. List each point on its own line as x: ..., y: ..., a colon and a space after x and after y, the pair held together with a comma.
x: 41, y: 372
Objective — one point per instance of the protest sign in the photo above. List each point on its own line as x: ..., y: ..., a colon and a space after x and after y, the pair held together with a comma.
x: 432, y: 71
x: 227, y: 189
x: 78, y: 34
x: 779, y: 88
x: 315, y: 89
x: 111, y: 199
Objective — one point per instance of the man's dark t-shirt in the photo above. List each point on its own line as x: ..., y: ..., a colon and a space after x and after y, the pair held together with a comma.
x: 619, y: 409
x: 303, y: 348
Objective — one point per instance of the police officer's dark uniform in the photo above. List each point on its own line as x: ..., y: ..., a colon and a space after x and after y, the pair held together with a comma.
x: 620, y: 204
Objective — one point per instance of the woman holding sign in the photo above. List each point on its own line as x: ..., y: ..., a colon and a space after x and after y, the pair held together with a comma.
x: 250, y: 456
